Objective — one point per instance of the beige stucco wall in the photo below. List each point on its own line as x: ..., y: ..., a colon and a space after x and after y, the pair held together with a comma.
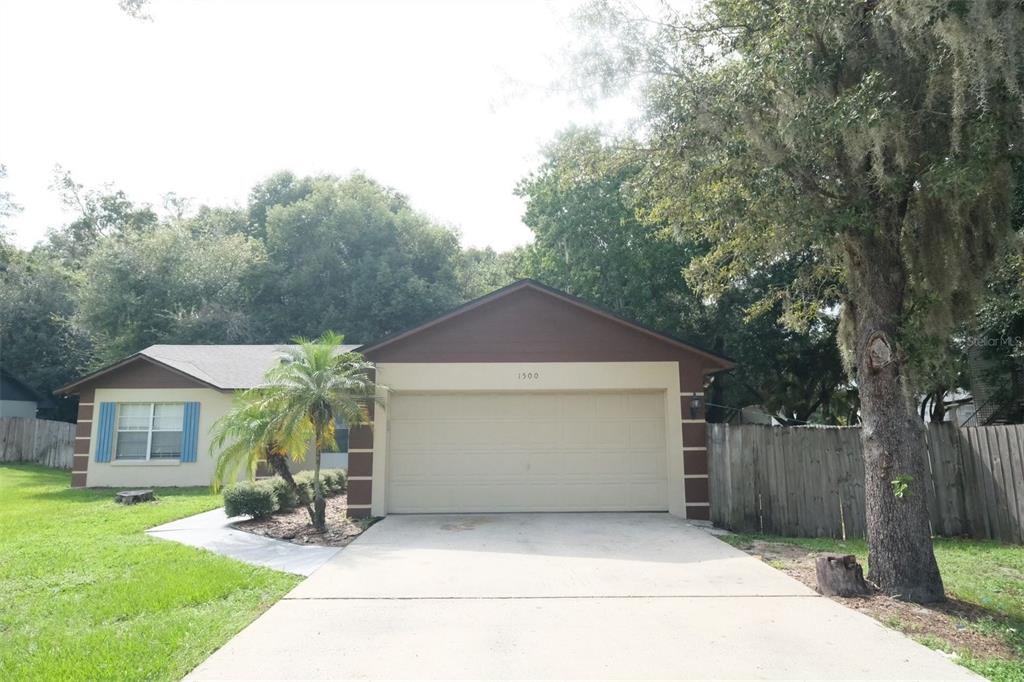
x: 212, y: 405
x: 547, y: 376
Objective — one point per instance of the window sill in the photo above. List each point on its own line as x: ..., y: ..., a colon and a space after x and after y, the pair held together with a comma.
x: 146, y: 463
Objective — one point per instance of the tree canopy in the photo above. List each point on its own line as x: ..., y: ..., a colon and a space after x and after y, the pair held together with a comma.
x: 169, y: 285
x: 590, y: 241
x: 39, y: 341
x: 358, y: 252
x: 305, y: 254
x: 869, y: 143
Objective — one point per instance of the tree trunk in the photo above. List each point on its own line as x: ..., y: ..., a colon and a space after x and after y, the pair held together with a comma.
x: 900, y: 560
x: 279, y: 463
x: 939, y: 406
x: 319, y: 503
x: 840, y: 576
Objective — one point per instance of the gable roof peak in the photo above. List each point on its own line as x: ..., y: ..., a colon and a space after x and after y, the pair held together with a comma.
x: 533, y: 284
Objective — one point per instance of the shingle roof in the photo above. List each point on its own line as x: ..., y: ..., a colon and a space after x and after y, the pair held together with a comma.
x: 222, y: 366
x: 225, y: 367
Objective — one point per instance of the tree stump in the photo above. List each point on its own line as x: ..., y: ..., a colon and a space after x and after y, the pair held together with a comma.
x: 841, y: 576
x: 134, y: 496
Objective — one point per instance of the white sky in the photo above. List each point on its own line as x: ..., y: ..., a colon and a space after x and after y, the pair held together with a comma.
x: 447, y: 102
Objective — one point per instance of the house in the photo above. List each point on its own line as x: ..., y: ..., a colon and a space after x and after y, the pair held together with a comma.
x: 18, y: 399
x: 146, y: 420
x: 526, y: 399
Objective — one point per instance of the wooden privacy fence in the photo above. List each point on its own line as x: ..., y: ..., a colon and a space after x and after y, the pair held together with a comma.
x: 50, y: 443
x: 809, y: 481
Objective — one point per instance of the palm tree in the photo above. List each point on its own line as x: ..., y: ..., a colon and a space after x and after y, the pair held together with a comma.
x: 316, y: 387
x: 251, y: 432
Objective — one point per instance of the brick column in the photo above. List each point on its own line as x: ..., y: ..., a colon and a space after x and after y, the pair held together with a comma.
x: 695, y: 458
x: 360, y: 467
x: 83, y: 436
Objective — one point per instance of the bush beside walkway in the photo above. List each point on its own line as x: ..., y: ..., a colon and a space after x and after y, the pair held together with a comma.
x: 259, y: 499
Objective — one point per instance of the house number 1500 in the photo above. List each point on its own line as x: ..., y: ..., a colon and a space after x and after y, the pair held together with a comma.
x: 528, y: 375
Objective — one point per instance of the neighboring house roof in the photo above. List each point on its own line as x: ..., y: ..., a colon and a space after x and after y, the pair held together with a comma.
x: 13, y: 388
x: 224, y: 367
x: 720, y: 360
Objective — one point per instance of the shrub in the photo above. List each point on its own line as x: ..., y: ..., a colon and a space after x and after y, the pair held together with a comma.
x: 329, y: 481
x: 287, y: 496
x: 257, y: 499
x: 333, y: 481
x: 304, y: 480
x: 338, y: 480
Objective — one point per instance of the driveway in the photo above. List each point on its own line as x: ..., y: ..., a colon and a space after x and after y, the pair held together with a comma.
x: 560, y: 596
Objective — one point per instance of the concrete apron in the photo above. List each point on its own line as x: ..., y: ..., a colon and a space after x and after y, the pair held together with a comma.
x: 560, y: 596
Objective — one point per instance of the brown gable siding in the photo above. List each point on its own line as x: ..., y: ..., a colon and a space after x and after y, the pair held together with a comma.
x: 530, y: 325
x: 141, y: 373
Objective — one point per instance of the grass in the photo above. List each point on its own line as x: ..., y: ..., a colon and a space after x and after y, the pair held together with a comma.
x: 984, y: 573
x: 86, y: 595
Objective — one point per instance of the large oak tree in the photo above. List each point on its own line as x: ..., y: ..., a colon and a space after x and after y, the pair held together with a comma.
x: 877, y: 135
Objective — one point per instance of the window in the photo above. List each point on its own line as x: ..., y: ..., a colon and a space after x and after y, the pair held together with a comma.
x: 149, y: 431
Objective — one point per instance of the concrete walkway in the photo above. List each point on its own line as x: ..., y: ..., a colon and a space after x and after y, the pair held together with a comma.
x: 561, y: 596
x: 211, y: 530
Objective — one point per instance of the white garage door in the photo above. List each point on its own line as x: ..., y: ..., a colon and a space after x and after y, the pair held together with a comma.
x: 527, y: 452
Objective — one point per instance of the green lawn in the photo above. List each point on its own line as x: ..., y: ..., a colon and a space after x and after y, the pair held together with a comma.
x: 988, y: 574
x: 86, y: 595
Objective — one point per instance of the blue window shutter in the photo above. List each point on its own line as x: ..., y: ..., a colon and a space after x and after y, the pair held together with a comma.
x: 190, y: 433
x: 105, y: 431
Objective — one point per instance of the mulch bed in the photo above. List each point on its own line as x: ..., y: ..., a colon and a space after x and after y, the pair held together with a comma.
x: 294, y: 525
x: 950, y: 621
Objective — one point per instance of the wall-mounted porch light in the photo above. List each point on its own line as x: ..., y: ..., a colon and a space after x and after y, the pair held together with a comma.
x: 694, y: 406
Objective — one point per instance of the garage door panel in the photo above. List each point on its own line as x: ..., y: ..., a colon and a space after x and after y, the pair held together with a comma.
x: 649, y: 465
x: 427, y: 497
x: 645, y: 434
x: 486, y: 464
x: 546, y: 463
x: 609, y: 434
x: 645, y: 494
x: 597, y: 463
x: 417, y: 407
x: 527, y: 452
x: 576, y: 434
x: 575, y: 495
x: 539, y: 434
x: 404, y: 435
x: 539, y: 406
x: 642, y: 405
x: 609, y: 404
x: 578, y: 407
